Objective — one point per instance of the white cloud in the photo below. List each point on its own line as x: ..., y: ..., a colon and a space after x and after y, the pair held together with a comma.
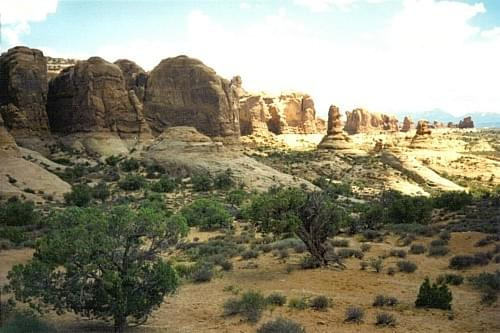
x: 16, y: 16
x: 345, y: 5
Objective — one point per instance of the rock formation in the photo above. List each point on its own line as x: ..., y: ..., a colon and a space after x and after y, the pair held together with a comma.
x: 91, y: 97
x: 182, y: 91
x: 23, y: 92
x: 423, y: 128
x: 407, y: 124
x: 335, y: 137
x: 254, y: 115
x: 362, y: 121
x: 135, y: 77
x: 467, y: 122
x: 379, y: 146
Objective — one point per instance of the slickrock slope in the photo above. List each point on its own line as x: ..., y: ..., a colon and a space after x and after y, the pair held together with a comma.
x: 23, y: 92
x: 91, y: 97
x: 183, y: 91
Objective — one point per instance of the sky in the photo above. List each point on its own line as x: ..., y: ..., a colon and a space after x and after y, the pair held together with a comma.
x: 391, y: 56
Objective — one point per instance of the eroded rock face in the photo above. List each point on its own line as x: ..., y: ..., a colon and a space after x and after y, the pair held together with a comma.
x: 182, y: 91
x: 254, y: 115
x: 135, y: 77
x: 92, y: 97
x: 23, y: 92
x: 407, y: 124
x: 362, y: 121
x: 335, y: 137
x: 423, y: 128
x: 467, y: 122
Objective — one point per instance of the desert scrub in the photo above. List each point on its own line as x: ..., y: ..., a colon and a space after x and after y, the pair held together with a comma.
x: 417, y: 249
x: 376, y: 264
x: 320, y: 303
x: 309, y: 262
x: 437, y: 251
x: 365, y: 247
x: 15, y: 213
x: 132, y: 183
x: 406, y: 266
x: 339, y: 242
x: 224, y: 180
x: 129, y: 165
x: 398, y: 253
x: 202, y: 182
x: 385, y: 319
x: 436, y: 296
x: 207, y: 215
x: 276, y: 299
x: 452, y: 279
x: 488, y: 284
x: 281, y: 325
x: 345, y: 253
x: 80, y: 196
x: 164, y: 184
x: 202, y: 272
x: 381, y: 300
x: 298, y: 303
x: 354, y: 314
x: 438, y: 242
x: 250, y: 305
x: 249, y: 254
x: 467, y: 261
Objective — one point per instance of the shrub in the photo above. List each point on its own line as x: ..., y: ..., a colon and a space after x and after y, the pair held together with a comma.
x: 164, y: 184
x: 348, y: 253
x: 18, y: 213
x: 439, y: 250
x: 417, y: 249
x: 283, y: 254
x: 250, y: 305
x: 365, y: 247
x: 111, y: 175
x: 112, y: 160
x: 354, y: 314
x: 381, y: 300
x: 363, y: 265
x: 132, y: 183
x: 433, y: 296
x: 154, y: 171
x: 487, y: 240
x: 319, y: 303
x: 201, y: 182
x: 406, y: 266
x: 80, y: 196
x: 298, y: 303
x: 281, y: 325
x: 406, y: 209
x: 226, y: 265
x: 339, y: 243
x: 309, y: 262
x: 236, y: 197
x: 224, y: 180
x: 453, y: 200
x: 276, y: 299
x: 100, y: 192
x: 397, y: 253
x: 376, y: 264
x: 300, y: 248
x: 207, y: 215
x: 489, y: 284
x: 385, y: 319
x: 391, y: 271
x: 24, y: 323
x: 438, y: 242
x: 453, y: 279
x: 445, y: 235
x: 466, y: 261
x: 249, y: 254
x: 129, y: 165
x: 202, y: 272
x: 13, y: 234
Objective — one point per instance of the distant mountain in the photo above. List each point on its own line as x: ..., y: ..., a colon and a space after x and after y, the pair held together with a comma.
x: 481, y: 119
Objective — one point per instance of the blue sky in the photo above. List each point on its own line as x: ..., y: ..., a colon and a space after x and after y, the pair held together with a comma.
x: 384, y: 55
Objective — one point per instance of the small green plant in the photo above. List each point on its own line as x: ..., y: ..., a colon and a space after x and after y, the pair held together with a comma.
x: 320, y: 303
x: 18, y: 213
x: 365, y: 247
x: 354, y: 314
x: 129, y: 165
x: 453, y: 200
x: 132, y: 183
x: 113, y: 160
x: 276, y: 299
x: 345, y: 253
x: 250, y: 305
x: 438, y: 251
x: 224, y: 180
x: 397, y: 253
x: 281, y: 325
x: 164, y: 184
x: 207, y: 215
x: 488, y: 284
x: 466, y: 261
x: 309, y: 262
x: 385, y: 319
x: 100, y: 192
x: 377, y: 264
x: 298, y: 303
x: 339, y: 242
x: 417, y: 249
x: 249, y: 254
x: 202, y: 272
x: 381, y: 300
x: 434, y: 296
x: 452, y: 279
x: 406, y: 266
x: 80, y: 196
x: 201, y: 182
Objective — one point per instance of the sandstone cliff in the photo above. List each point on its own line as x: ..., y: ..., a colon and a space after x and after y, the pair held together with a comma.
x: 467, y: 122
x: 362, y: 121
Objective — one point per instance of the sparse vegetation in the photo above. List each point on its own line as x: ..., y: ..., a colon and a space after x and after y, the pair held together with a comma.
x: 276, y: 299
x: 385, y: 319
x: 406, y: 266
x: 381, y: 300
x: 320, y: 303
x: 354, y: 314
x: 281, y: 325
x: 452, y: 279
x: 436, y: 296
x: 250, y: 305
x: 417, y: 249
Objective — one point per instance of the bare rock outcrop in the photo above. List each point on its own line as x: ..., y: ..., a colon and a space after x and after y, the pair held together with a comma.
x: 254, y: 115
x: 362, y: 121
x: 335, y: 137
x: 467, y: 122
x: 135, y: 77
x: 423, y: 128
x: 183, y: 91
x: 23, y: 92
x: 407, y: 124
x: 91, y: 97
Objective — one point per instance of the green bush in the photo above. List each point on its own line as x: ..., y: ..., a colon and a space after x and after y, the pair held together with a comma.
x: 18, y: 213
x: 281, y: 325
x: 354, y: 314
x: 224, y: 180
x: 100, y: 192
x: 489, y: 284
x: 399, y: 253
x: 14, y: 234
x: 111, y: 175
x: 26, y: 323
x: 249, y: 254
x: 377, y: 264
x: 345, y: 253
x: 202, y: 272
x: 207, y: 215
x: 80, y: 196
x: 439, y: 250
x: 113, y: 160
x: 132, y: 183
x: 434, y: 296
x: 129, y: 165
x: 339, y: 243
x: 319, y: 303
x: 250, y: 305
x: 417, y: 249
x: 154, y: 171
x: 453, y: 279
x: 381, y: 300
x: 406, y: 266
x: 298, y: 303
x: 237, y: 197
x: 438, y: 242
x: 276, y: 299
x: 466, y: 261
x: 309, y: 262
x: 164, y: 184
x: 406, y: 209
x: 453, y: 200
x: 201, y: 182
